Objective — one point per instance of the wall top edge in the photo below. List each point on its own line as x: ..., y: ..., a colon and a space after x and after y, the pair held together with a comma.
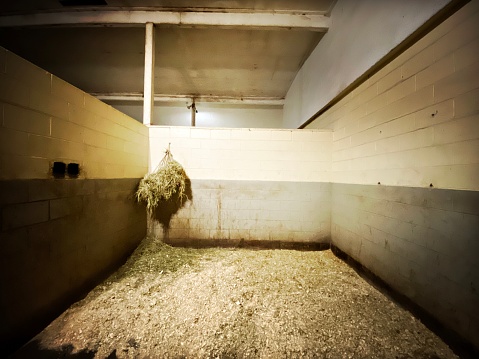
x: 241, y: 128
x: 404, y: 186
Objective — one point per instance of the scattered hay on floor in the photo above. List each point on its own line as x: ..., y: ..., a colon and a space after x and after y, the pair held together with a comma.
x: 237, y: 303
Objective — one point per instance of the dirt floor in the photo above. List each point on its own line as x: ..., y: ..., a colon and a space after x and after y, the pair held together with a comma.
x: 235, y: 303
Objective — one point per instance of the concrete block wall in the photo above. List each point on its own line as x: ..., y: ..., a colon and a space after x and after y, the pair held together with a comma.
x: 246, y: 153
x: 45, y: 119
x: 404, y: 173
x: 340, y: 59
x: 250, y: 185
x: 59, y: 237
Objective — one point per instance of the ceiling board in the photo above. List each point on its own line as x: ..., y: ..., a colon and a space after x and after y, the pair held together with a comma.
x: 198, y: 61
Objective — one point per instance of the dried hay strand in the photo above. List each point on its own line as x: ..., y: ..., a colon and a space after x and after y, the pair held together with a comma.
x: 168, y: 179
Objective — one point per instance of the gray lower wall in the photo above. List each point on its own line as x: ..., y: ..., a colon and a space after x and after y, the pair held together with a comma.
x: 59, y: 238
x: 229, y: 212
x: 423, y: 242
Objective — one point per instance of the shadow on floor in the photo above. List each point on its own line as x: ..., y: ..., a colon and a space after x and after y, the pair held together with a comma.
x: 247, y: 244
x: 34, y: 350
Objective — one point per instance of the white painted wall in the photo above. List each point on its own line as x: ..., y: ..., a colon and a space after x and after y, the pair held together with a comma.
x: 414, y: 122
x: 45, y: 119
x: 209, y: 115
x: 249, y: 184
x: 361, y: 33
x: 246, y: 154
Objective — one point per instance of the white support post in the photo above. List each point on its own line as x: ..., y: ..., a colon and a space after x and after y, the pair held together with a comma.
x: 149, y: 81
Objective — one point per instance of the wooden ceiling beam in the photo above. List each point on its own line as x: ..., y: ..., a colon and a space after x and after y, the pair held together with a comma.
x: 237, y: 100
x: 260, y: 20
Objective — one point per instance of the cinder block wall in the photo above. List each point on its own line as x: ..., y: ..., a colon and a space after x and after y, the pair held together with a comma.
x: 58, y: 237
x: 263, y: 186
x: 405, y: 169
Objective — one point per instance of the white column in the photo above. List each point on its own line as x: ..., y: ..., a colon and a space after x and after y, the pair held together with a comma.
x: 149, y: 81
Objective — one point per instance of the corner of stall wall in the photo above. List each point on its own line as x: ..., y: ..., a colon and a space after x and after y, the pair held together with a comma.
x: 251, y: 186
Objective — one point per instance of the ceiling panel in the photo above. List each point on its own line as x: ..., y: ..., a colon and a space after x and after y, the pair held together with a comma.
x: 190, y: 61
x: 93, y: 59
x: 207, y: 61
x: 222, y: 62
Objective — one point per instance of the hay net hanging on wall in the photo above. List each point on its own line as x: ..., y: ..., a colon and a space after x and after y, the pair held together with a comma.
x: 166, y: 181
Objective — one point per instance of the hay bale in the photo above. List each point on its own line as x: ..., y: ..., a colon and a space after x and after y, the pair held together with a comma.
x: 168, y: 179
